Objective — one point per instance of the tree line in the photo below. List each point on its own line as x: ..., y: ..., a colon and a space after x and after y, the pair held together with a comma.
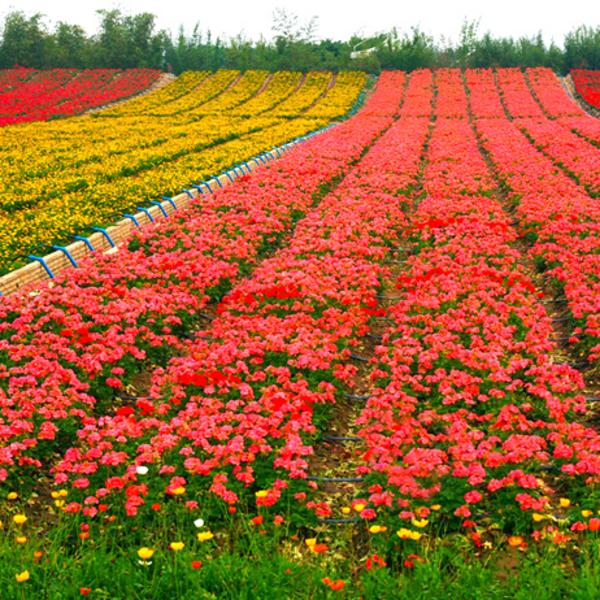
x: 125, y: 41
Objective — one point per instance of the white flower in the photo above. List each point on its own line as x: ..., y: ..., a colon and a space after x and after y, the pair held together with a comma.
x: 199, y: 522
x: 141, y: 470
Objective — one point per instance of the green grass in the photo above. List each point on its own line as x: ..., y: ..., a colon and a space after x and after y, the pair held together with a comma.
x: 241, y: 562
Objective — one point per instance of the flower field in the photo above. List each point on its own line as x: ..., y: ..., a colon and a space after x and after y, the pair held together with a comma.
x: 27, y: 96
x: 83, y: 171
x: 367, y: 369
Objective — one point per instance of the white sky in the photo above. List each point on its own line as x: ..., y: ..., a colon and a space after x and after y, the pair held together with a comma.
x: 336, y: 19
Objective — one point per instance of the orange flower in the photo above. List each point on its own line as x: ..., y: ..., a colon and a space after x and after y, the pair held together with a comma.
x: 336, y: 585
x: 257, y: 520
x: 594, y: 524
x: 319, y: 548
x: 515, y: 541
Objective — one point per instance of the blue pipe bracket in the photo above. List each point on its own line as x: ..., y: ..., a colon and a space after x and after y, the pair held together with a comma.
x: 160, y: 207
x: 133, y: 218
x: 105, y: 233
x: 67, y: 253
x: 146, y: 212
x: 42, y: 262
x: 170, y: 201
x: 86, y: 241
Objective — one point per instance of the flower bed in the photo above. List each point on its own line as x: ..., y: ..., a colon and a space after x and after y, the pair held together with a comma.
x: 66, y: 92
x: 587, y: 84
x: 238, y: 413
x: 468, y: 411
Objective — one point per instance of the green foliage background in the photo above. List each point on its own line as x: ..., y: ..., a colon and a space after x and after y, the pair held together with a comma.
x: 124, y: 41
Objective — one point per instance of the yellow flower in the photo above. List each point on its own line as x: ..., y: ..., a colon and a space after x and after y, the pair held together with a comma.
x: 359, y: 507
x: 346, y: 510
x: 310, y: 542
x: 145, y: 553
x: 564, y: 502
x: 204, y: 536
x: 377, y: 528
x: 13, y: 496
x: 408, y: 534
x: 420, y: 523
x: 436, y: 507
x: 587, y: 513
x: 262, y: 494
x: 23, y: 576
x: 178, y: 491
x: 19, y: 519
x: 176, y: 546
x: 59, y: 503
x: 537, y: 517
x: 21, y: 539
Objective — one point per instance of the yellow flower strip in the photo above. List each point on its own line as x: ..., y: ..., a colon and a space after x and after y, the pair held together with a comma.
x: 340, y: 97
x: 57, y: 178
x: 312, y: 88
x: 242, y: 91
x: 198, y: 135
x: 74, y: 211
x: 282, y: 85
x: 212, y: 87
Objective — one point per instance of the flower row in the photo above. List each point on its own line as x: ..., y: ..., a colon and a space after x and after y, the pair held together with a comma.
x: 554, y: 212
x: 561, y: 220
x: 551, y: 95
x: 11, y: 79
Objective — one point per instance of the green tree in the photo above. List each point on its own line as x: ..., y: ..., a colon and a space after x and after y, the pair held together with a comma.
x: 24, y: 40
x: 582, y: 48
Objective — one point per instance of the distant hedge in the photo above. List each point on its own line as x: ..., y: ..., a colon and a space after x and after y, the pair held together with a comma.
x: 124, y: 41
